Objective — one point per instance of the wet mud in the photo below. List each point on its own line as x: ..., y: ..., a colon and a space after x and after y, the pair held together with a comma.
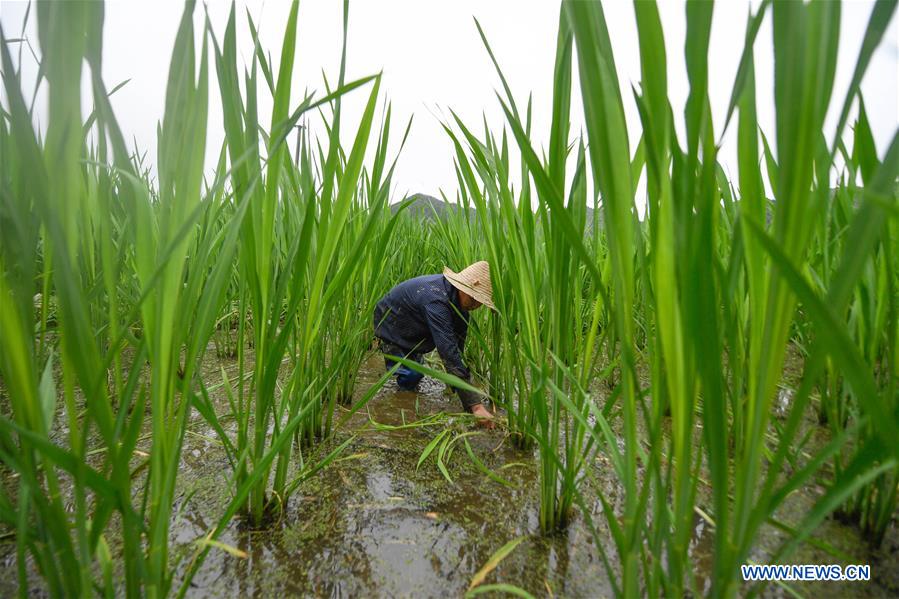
x: 372, y: 524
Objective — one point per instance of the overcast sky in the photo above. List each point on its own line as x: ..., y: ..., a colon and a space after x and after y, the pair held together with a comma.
x: 432, y: 59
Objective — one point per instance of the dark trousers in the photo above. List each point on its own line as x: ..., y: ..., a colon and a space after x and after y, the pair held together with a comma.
x: 406, y: 378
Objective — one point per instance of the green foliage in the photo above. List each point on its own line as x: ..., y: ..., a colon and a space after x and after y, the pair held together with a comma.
x: 614, y: 335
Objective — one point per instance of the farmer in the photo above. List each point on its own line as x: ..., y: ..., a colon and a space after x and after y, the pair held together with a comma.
x: 432, y: 311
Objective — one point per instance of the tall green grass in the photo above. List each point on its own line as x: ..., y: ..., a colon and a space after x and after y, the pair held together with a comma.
x: 133, y: 280
x: 100, y: 231
x: 544, y: 340
x: 659, y: 343
x: 703, y: 292
x: 761, y: 268
x: 316, y: 229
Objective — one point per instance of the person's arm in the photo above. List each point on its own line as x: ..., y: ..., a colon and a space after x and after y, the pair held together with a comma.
x: 440, y: 322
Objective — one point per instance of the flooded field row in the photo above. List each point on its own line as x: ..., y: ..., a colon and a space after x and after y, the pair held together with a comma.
x: 375, y: 524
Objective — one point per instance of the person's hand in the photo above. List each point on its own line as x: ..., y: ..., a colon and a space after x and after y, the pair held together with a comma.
x: 485, y: 418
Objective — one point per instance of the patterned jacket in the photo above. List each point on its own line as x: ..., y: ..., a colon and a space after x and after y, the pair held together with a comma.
x: 421, y: 314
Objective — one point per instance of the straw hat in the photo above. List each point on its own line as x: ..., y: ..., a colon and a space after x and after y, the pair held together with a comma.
x: 475, y: 281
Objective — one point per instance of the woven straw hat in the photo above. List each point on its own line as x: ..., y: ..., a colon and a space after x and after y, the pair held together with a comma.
x: 475, y: 281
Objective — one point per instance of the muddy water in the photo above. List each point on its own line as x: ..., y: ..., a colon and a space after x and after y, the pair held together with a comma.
x: 373, y: 525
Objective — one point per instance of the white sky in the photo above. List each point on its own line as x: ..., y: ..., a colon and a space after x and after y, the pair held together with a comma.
x: 433, y: 59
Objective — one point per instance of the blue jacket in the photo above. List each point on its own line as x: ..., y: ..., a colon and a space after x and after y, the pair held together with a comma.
x: 423, y: 313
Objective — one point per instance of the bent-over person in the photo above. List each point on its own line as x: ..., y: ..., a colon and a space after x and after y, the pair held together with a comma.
x: 428, y: 312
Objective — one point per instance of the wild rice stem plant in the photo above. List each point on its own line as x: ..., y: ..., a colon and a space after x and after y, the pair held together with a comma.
x: 129, y: 275
x: 257, y: 271
x: 817, y: 23
x: 305, y: 210
x: 871, y: 319
x: 26, y: 189
x: 349, y: 336
x: 175, y: 310
x: 609, y: 152
x: 541, y: 289
x: 684, y: 224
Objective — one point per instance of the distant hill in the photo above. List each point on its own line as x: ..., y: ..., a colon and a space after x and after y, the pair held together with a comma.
x: 425, y: 207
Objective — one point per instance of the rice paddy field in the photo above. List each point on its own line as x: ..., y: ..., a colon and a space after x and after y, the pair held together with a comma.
x: 191, y: 403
